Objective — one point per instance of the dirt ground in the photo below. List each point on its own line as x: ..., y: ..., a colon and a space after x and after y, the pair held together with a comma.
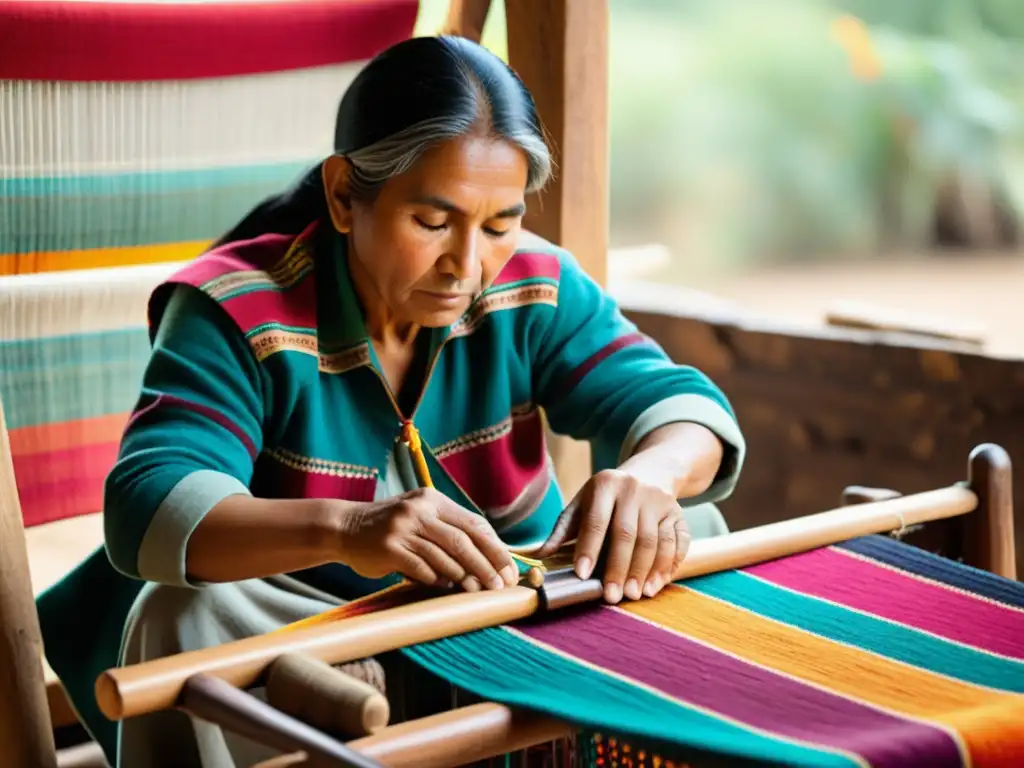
x: 986, y: 290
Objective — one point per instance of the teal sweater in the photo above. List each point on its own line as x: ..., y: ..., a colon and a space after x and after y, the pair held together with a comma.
x: 263, y: 381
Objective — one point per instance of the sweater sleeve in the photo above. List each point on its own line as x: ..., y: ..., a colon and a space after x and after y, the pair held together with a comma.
x: 190, y: 442
x: 599, y: 379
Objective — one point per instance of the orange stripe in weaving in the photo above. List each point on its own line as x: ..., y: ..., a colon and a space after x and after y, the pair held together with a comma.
x: 403, y: 593
x: 91, y: 258
x: 990, y: 723
x: 60, y: 436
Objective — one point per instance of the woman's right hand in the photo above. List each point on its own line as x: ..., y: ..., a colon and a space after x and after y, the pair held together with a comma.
x: 427, y: 537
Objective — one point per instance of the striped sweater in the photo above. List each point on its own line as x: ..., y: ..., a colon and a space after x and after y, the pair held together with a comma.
x: 263, y: 381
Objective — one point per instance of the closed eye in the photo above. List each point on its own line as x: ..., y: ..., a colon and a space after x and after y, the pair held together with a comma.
x: 430, y: 227
x: 496, y: 232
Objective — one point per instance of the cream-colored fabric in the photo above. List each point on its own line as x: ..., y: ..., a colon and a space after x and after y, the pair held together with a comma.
x: 67, y: 129
x: 45, y: 304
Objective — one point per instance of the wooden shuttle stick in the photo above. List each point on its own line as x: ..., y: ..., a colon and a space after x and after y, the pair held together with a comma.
x: 472, y: 733
x: 218, y: 702
x: 155, y: 685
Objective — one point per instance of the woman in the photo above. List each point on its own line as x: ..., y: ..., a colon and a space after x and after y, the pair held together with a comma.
x: 345, y: 391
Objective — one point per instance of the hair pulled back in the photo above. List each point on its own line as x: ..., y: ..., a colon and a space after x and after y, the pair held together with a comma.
x: 409, y: 98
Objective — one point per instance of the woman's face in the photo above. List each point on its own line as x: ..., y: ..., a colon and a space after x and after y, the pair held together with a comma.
x: 437, y: 235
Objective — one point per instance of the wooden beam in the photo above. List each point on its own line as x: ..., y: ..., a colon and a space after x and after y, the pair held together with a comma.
x: 26, y: 736
x: 560, y: 50
x: 466, y: 18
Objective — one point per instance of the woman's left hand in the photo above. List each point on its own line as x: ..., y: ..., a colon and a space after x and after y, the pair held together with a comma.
x: 640, y: 525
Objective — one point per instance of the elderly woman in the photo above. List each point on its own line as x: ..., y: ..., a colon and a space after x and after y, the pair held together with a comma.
x: 346, y: 390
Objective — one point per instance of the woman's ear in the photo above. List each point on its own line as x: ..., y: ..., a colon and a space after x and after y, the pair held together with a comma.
x: 337, y: 171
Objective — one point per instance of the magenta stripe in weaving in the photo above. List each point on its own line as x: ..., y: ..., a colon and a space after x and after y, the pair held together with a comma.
x: 731, y: 687
x: 890, y: 594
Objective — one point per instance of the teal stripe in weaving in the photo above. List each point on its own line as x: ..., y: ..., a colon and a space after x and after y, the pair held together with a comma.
x: 498, y: 665
x: 72, y: 377
x: 863, y: 631
x: 109, y: 212
x: 140, y: 182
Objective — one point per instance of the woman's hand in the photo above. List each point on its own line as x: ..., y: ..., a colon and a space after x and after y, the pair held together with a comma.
x: 647, y: 537
x: 429, y: 538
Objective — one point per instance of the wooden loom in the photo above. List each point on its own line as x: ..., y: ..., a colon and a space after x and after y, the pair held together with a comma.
x: 209, y: 683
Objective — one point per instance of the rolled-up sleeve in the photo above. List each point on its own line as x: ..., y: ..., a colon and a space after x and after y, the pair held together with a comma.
x: 191, y: 441
x: 599, y: 379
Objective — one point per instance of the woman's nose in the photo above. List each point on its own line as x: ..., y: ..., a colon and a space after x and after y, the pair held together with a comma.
x: 465, y: 256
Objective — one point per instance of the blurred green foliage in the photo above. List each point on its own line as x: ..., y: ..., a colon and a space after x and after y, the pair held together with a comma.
x: 741, y: 130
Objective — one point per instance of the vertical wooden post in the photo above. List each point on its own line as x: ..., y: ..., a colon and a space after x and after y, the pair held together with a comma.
x: 26, y: 736
x: 988, y: 531
x: 466, y: 18
x: 560, y: 50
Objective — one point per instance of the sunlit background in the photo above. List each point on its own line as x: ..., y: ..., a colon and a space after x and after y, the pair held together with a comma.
x: 789, y: 153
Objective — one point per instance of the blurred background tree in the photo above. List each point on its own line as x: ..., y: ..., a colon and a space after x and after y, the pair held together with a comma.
x: 798, y: 130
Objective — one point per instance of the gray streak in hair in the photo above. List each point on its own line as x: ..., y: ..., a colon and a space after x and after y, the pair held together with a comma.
x: 373, y: 165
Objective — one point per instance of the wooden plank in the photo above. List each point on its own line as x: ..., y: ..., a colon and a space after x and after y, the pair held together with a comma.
x: 26, y: 736
x: 466, y: 18
x: 820, y: 407
x: 560, y: 50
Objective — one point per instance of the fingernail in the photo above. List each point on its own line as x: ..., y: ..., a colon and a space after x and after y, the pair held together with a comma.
x: 584, y: 567
x: 652, y: 586
x: 470, y: 584
x: 612, y: 593
x: 632, y: 589
x: 510, y: 575
x: 497, y: 582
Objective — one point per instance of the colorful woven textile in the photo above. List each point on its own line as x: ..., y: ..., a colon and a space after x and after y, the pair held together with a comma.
x: 73, y: 348
x: 868, y: 653
x: 138, y: 132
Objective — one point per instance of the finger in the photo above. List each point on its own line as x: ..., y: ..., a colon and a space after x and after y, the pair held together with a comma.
x: 459, y: 545
x: 661, y: 570
x: 644, y: 552
x: 438, y: 560
x: 485, y: 540
x: 415, y: 567
x: 564, y: 530
x: 622, y: 539
x: 595, y: 515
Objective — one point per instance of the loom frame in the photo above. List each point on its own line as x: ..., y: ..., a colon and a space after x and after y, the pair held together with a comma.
x: 976, y: 516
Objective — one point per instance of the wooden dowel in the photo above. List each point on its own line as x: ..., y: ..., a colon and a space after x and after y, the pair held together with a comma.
x: 221, y: 703
x: 465, y: 735
x: 859, y: 494
x: 154, y: 685
x: 326, y: 698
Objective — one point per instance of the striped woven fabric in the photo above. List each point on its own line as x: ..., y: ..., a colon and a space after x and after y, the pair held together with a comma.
x: 136, y: 133
x: 870, y: 653
x: 73, y: 346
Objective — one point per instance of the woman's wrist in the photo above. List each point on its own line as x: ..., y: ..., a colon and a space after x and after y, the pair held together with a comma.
x: 682, y: 458
x: 333, y: 525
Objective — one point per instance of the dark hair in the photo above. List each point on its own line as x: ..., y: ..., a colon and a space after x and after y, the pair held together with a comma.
x: 414, y: 95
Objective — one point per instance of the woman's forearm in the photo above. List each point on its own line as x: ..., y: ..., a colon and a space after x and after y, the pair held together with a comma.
x: 244, y: 537
x: 683, y: 458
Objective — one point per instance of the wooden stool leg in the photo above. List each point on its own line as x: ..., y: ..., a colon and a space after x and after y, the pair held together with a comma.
x: 988, y: 532
x: 26, y: 736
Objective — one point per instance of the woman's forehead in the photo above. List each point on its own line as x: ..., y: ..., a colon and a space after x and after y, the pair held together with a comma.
x: 472, y: 160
